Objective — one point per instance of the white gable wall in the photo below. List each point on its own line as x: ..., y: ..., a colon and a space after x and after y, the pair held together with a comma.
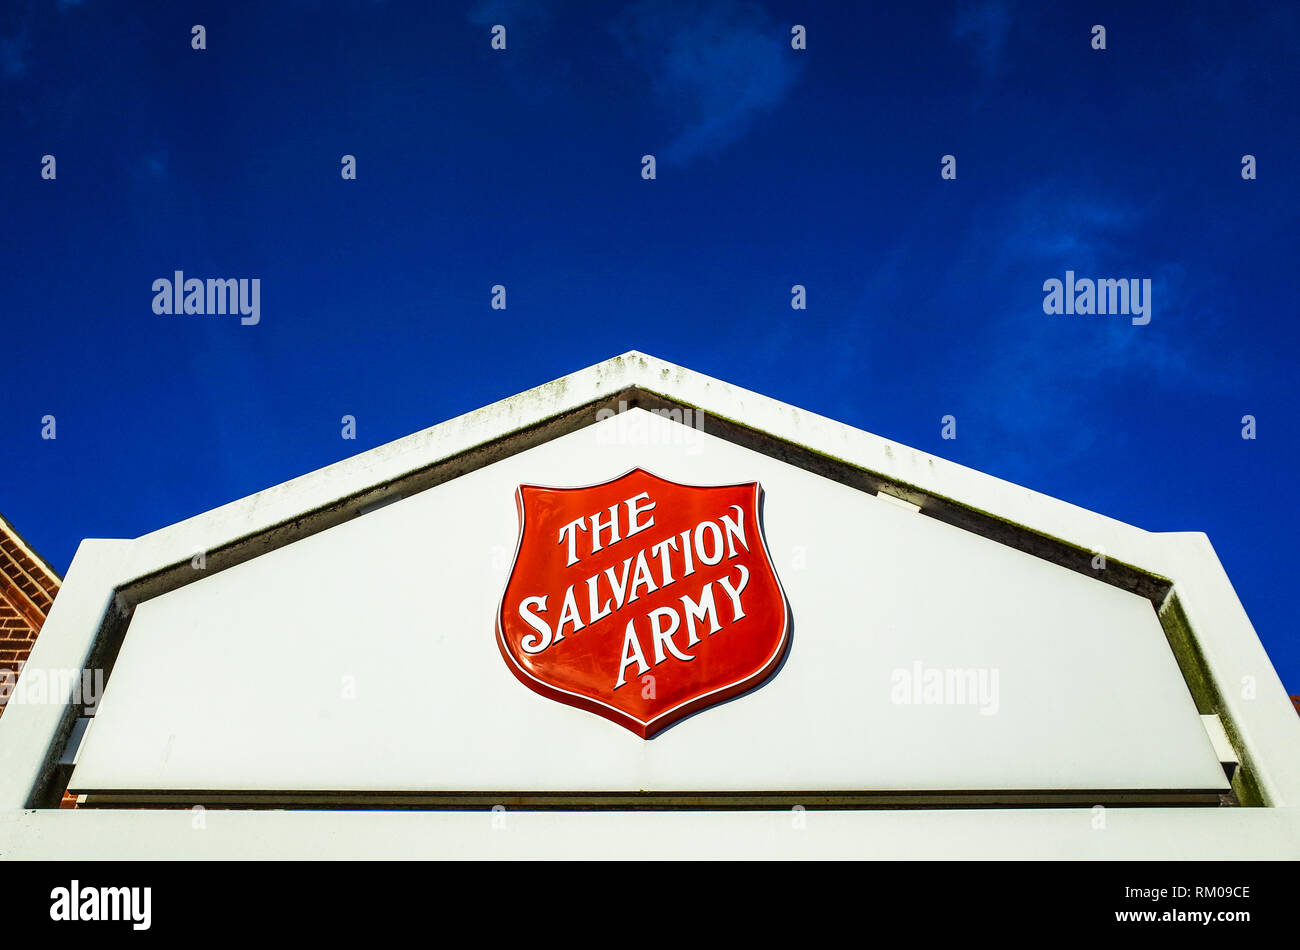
x: 1264, y: 727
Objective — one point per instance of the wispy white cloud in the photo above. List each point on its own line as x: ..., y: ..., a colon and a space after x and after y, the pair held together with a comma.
x: 15, y: 41
x: 716, y: 67
x: 1037, y: 375
x: 984, y: 26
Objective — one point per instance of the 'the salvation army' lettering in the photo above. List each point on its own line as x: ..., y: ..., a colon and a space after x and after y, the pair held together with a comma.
x: 670, y: 561
x: 642, y: 599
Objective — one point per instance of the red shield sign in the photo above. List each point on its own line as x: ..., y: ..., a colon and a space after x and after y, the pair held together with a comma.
x: 642, y: 600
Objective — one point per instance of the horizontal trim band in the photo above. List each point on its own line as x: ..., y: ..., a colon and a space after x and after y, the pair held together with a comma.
x: 634, y: 801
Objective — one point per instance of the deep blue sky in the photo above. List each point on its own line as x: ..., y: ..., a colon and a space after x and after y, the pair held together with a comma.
x: 776, y: 167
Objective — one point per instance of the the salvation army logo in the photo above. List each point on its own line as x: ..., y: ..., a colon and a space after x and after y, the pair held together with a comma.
x: 642, y: 600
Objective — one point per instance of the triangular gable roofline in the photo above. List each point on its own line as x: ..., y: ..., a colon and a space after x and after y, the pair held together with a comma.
x: 7, y: 529
x: 1211, y: 635
x: 1048, y: 527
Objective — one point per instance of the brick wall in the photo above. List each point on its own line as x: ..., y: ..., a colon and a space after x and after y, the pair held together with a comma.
x: 16, y: 637
x: 28, y: 586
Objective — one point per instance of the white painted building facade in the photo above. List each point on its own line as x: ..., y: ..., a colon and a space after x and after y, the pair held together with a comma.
x: 967, y: 674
